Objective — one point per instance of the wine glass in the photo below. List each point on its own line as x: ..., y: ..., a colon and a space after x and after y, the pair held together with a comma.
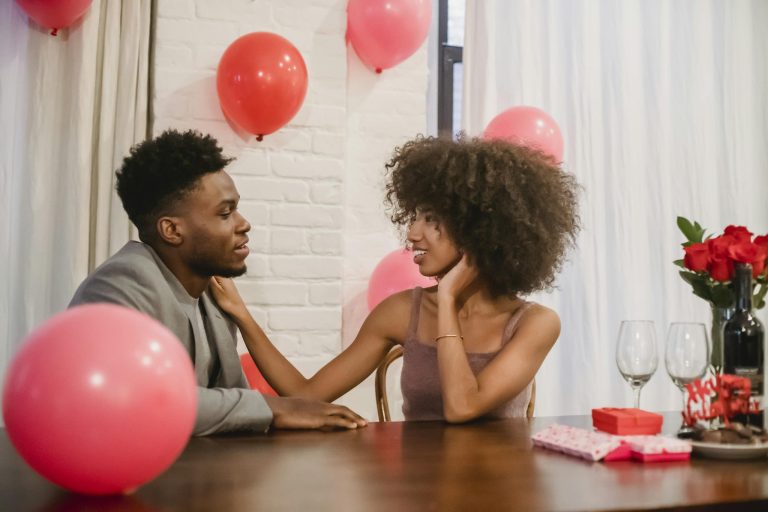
x: 636, y: 354
x: 687, y: 358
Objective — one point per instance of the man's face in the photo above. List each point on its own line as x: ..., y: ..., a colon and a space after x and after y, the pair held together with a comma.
x: 215, y: 234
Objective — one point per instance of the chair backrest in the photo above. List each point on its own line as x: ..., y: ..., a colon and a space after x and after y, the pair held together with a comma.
x: 382, y: 405
x: 254, y: 377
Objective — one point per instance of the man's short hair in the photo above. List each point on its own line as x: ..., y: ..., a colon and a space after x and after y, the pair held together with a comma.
x: 161, y: 171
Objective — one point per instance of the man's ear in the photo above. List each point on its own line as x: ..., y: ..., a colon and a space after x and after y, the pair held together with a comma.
x: 169, y: 230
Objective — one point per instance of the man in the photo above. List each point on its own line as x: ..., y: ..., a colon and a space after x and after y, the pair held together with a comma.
x: 184, y: 205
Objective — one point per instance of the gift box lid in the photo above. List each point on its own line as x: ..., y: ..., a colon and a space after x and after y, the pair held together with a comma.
x: 617, y: 420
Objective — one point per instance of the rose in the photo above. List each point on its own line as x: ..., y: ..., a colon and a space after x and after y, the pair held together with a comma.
x: 748, y: 252
x: 743, y: 251
x: 740, y: 233
x: 721, y: 268
x: 718, y: 246
x: 758, y: 266
x: 696, y: 257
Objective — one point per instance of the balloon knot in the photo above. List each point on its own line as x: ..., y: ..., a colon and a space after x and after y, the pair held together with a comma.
x: 54, y: 31
x: 378, y: 71
x: 259, y: 138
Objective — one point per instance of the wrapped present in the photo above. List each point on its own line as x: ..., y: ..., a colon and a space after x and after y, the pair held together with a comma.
x: 626, y: 421
x: 578, y: 442
x: 594, y: 446
x: 658, y: 448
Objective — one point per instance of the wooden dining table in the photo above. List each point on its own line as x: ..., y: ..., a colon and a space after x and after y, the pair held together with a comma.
x: 405, y: 466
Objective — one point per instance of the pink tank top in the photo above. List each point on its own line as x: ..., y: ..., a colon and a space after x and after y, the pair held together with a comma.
x: 420, y: 377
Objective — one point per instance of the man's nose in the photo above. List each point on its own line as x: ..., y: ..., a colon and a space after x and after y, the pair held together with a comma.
x: 243, y: 226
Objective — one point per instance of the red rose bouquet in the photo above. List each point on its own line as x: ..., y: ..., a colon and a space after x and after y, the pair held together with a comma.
x: 708, y: 264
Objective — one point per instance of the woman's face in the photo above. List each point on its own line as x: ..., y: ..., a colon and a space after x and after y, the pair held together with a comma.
x: 434, y: 251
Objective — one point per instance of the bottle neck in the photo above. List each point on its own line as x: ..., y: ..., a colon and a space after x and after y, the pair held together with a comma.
x: 742, y: 286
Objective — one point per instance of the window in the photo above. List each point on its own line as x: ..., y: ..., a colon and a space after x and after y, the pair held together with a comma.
x: 449, y: 66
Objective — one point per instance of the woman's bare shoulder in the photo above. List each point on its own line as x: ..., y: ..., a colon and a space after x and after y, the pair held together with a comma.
x: 392, y: 315
x: 541, y: 318
x: 541, y: 311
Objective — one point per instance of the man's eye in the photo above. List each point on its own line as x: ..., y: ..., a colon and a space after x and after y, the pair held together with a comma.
x: 225, y: 215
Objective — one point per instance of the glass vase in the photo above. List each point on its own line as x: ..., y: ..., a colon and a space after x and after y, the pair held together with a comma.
x: 720, y: 315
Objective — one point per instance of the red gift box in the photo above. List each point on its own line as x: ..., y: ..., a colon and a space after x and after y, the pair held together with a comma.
x: 623, y: 452
x: 626, y: 422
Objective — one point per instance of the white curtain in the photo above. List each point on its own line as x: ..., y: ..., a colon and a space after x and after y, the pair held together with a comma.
x: 664, y: 112
x: 70, y: 107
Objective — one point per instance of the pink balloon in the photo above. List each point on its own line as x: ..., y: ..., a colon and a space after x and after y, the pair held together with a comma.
x: 100, y: 399
x: 386, y: 32
x: 54, y: 14
x: 528, y: 126
x: 394, y: 273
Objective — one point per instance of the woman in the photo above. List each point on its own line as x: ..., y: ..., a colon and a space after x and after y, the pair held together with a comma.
x: 492, y: 222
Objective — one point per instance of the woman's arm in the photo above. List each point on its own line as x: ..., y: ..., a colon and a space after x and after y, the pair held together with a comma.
x: 380, y: 331
x: 466, y: 396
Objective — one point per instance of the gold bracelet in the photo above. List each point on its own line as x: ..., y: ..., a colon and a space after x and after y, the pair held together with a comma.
x: 450, y: 336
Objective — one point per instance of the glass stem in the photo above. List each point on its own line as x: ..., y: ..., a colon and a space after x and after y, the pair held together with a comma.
x: 637, y: 396
x: 682, y: 391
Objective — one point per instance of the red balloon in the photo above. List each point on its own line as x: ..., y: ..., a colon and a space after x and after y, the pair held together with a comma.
x: 386, y: 32
x: 528, y: 126
x: 54, y: 14
x: 262, y: 82
x: 255, y: 378
x: 100, y: 399
x: 394, y: 273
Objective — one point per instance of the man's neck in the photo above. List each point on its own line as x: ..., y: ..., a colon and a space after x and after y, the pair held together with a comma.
x: 192, y: 282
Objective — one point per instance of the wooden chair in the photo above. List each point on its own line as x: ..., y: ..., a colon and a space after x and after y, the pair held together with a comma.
x: 382, y: 404
x: 254, y: 377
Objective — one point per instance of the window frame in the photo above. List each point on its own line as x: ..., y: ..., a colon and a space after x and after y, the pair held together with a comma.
x: 447, y: 56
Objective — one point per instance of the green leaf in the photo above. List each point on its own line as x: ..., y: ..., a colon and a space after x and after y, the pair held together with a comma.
x: 679, y: 263
x: 758, y: 299
x: 699, y: 283
x: 722, y: 296
x: 693, y: 232
x: 687, y: 229
x: 691, y: 277
x: 702, y: 292
x: 700, y: 232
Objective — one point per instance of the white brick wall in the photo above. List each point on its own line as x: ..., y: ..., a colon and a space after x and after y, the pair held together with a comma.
x: 312, y: 191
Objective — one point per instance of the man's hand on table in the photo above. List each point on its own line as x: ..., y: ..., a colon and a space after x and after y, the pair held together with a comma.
x: 300, y: 413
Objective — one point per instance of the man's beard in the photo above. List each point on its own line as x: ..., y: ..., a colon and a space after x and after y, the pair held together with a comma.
x: 203, y: 267
x: 230, y: 272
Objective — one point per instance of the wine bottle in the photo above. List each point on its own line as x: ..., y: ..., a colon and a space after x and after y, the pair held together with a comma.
x: 743, y: 336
